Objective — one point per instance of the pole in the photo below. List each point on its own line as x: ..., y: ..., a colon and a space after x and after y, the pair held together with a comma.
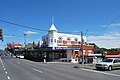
x: 82, y: 47
x: 25, y: 39
x: 25, y: 43
x: 53, y: 55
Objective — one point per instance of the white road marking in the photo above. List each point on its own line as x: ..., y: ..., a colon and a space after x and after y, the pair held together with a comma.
x: 18, y: 62
x: 4, y: 69
x: 6, y: 72
x: 101, y: 72
x: 8, y: 77
x: 37, y: 70
x: 1, y: 61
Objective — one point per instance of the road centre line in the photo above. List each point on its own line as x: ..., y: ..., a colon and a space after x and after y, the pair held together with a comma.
x: 6, y: 72
x: 1, y: 61
x: 37, y: 70
x: 8, y: 77
x: 4, y: 69
x: 100, y: 72
x: 18, y: 62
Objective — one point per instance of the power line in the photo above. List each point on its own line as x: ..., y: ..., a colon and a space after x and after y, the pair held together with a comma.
x: 109, y: 24
x: 12, y: 35
x: 8, y: 22
x: 22, y: 25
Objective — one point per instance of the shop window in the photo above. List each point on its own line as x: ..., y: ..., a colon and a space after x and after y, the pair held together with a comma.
x: 76, y: 52
x: 63, y: 55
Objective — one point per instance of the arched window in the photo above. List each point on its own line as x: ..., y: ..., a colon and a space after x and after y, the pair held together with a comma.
x: 68, y: 40
x: 76, y: 41
x: 60, y: 40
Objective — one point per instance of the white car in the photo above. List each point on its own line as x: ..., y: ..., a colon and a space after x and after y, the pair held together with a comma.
x: 21, y: 56
x: 109, y: 63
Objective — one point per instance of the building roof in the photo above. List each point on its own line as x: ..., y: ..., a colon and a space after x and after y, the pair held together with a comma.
x: 113, y: 56
x: 15, y: 45
x: 113, y: 53
x: 53, y: 28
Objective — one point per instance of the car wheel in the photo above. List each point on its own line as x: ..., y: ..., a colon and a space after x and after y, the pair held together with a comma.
x: 110, y: 68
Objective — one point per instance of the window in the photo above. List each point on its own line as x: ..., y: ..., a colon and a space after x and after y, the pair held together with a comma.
x: 68, y: 41
x: 117, y: 61
x: 55, y: 40
x: 51, y: 40
x: 47, y: 41
x: 76, y: 52
x: 63, y: 55
x: 107, y: 60
x: 76, y: 41
x: 60, y: 40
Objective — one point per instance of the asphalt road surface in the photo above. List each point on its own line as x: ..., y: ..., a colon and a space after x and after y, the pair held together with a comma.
x: 21, y: 69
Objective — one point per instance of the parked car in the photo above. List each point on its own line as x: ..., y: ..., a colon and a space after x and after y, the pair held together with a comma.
x: 109, y: 64
x: 21, y: 56
x: 17, y: 56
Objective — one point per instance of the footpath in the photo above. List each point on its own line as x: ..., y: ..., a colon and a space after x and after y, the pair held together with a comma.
x: 76, y: 65
x: 87, y: 66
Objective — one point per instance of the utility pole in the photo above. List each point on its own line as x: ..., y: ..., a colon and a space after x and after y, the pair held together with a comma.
x: 25, y: 39
x: 82, y: 46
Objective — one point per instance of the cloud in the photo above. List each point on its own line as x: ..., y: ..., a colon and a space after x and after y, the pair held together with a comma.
x: 30, y: 32
x: 111, y: 25
x: 111, y: 40
x: 117, y: 24
x: 102, y: 26
x: 8, y: 36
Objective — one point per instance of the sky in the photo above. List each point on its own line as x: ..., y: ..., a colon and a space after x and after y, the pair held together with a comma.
x: 99, y: 20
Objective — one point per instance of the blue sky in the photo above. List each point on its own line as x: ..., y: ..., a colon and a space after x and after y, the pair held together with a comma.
x: 69, y: 16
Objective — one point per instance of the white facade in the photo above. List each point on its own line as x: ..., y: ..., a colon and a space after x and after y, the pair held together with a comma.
x: 69, y: 42
x: 55, y: 39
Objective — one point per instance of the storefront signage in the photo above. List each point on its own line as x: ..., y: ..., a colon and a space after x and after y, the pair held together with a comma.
x: 67, y: 48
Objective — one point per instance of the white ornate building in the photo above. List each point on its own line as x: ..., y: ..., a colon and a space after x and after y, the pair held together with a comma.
x: 69, y: 42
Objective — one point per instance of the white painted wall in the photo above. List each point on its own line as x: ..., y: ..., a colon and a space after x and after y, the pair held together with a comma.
x: 56, y: 35
x: 69, y: 55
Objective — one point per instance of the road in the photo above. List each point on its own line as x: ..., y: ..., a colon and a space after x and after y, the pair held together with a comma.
x: 21, y: 69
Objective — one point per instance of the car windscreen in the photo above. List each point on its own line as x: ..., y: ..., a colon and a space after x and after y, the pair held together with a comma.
x: 107, y: 60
